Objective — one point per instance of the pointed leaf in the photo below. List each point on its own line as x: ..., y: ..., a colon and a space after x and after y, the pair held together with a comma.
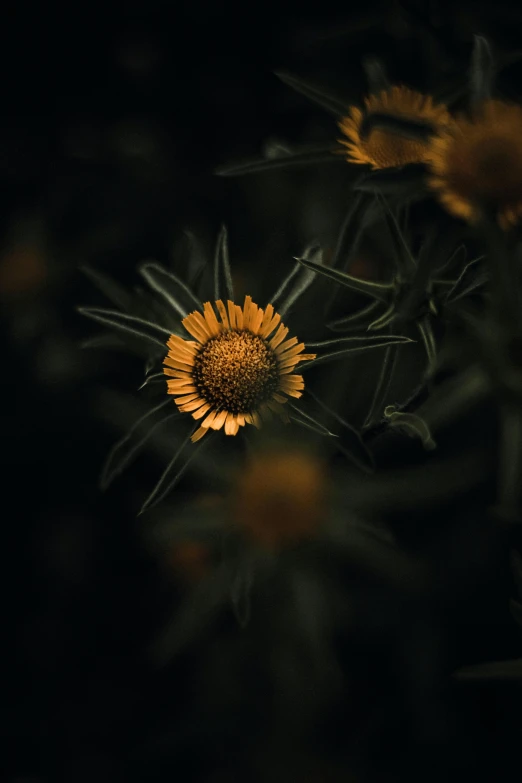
x: 510, y: 458
x: 411, y: 424
x: 383, y: 320
x: 152, y: 379
x: 128, y: 447
x: 516, y: 568
x: 355, y: 319
x: 285, y: 284
x: 128, y: 324
x: 482, y: 70
x: 173, y: 472
x: 332, y: 103
x: 110, y: 341
x: 305, y: 157
x: 173, y: 290
x: 223, y: 286
x: 314, y: 254
x: 407, y: 180
x: 305, y: 420
x: 428, y: 339
x: 352, y: 444
x: 471, y: 278
x: 188, y: 253
x: 112, y: 290
x: 378, y: 291
x: 201, y: 607
x: 406, y: 264
x: 351, y: 230
x: 240, y: 591
x: 376, y: 75
x: 353, y: 345
x: 510, y: 670
x: 515, y: 607
x: 382, y: 388
x: 455, y: 397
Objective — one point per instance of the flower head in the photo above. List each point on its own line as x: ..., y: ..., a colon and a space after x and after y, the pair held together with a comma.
x: 476, y: 163
x: 237, y: 370
x: 280, y: 497
x: 382, y: 148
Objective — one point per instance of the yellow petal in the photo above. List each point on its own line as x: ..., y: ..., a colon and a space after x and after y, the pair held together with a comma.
x: 223, y: 313
x: 199, y: 434
x: 219, y: 420
x: 211, y: 320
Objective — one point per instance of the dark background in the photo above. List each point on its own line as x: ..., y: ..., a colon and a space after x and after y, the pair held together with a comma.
x: 112, y: 121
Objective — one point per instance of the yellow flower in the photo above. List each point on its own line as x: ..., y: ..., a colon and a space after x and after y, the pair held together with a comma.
x: 477, y: 163
x: 233, y: 373
x: 280, y: 497
x: 382, y: 148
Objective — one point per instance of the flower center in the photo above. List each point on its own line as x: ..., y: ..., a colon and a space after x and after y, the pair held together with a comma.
x: 236, y: 371
x: 389, y: 149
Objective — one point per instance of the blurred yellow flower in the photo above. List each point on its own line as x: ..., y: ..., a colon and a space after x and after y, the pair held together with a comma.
x: 476, y: 163
x: 280, y: 497
x: 383, y: 148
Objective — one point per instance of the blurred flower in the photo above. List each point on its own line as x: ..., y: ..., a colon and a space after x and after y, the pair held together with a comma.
x: 23, y: 270
x: 232, y: 373
x: 190, y: 560
x: 476, y: 163
x: 383, y: 148
x: 280, y: 497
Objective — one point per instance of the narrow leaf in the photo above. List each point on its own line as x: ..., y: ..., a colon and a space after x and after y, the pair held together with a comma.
x: 223, y: 286
x: 510, y: 459
x: 404, y: 181
x: 152, y: 379
x: 172, y: 473
x: 496, y: 670
x: 128, y: 447
x: 110, y: 341
x: 515, y: 607
x: 354, y: 320
x: 128, y: 324
x: 352, y: 446
x: 471, y: 278
x: 306, y: 157
x: 305, y: 420
x: 382, y: 388
x: 428, y: 339
x: 170, y: 287
x: 187, y: 252
x: 411, y: 424
x: 378, y: 291
x: 404, y: 259
x: 455, y: 397
x: 201, y: 607
x: 315, y: 93
x: 313, y: 254
x: 516, y: 569
x: 383, y: 320
x: 240, y: 591
x: 376, y: 75
x: 112, y: 290
x: 482, y: 70
x: 351, y: 230
x: 354, y: 345
x: 285, y: 284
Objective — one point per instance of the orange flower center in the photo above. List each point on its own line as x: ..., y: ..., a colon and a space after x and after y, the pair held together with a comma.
x: 389, y: 149
x: 236, y: 371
